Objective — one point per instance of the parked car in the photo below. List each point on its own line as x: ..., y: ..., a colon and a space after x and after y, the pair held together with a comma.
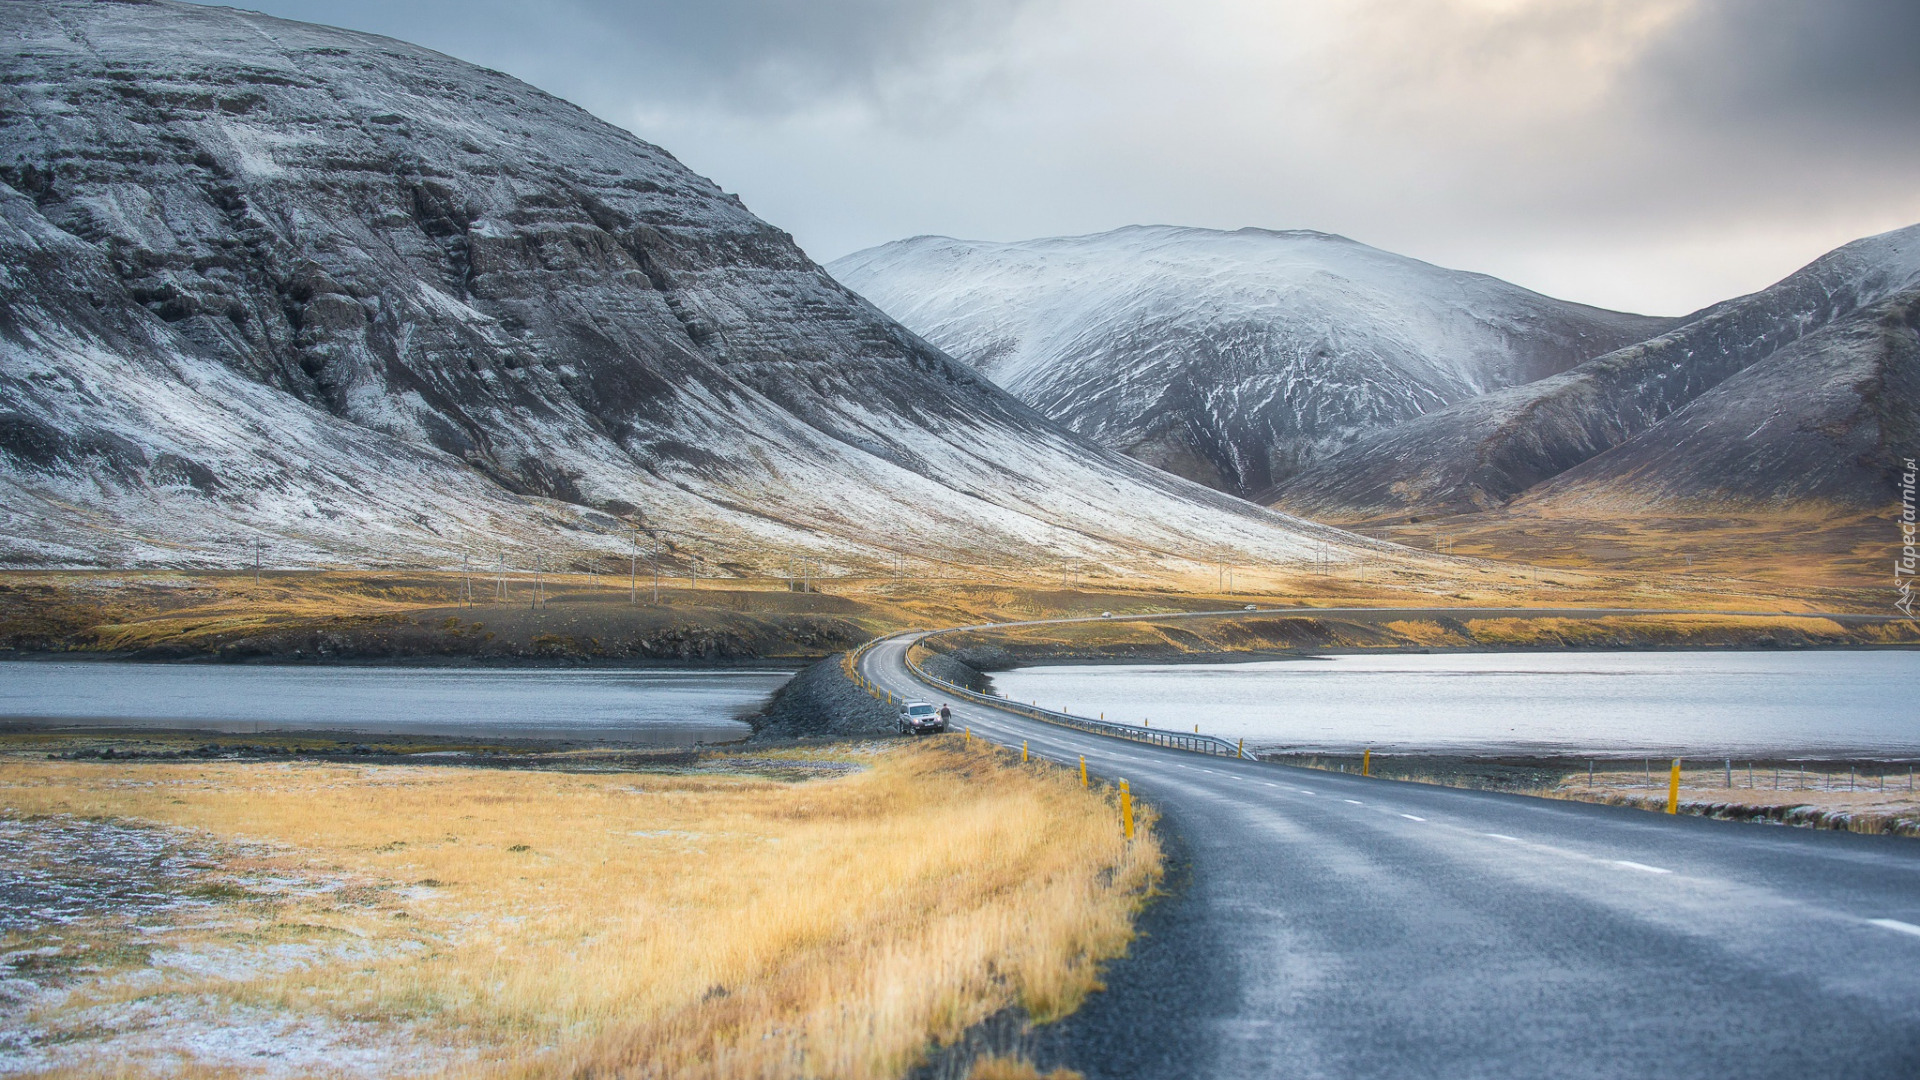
x: 920, y: 717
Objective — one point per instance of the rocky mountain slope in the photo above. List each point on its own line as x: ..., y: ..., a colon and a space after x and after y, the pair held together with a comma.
x: 1809, y: 424
x: 355, y: 301
x: 1825, y: 420
x: 1234, y: 359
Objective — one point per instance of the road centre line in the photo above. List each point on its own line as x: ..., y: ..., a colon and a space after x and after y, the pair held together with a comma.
x: 1640, y: 866
x: 1355, y: 802
x: 1410, y: 817
x: 1896, y: 926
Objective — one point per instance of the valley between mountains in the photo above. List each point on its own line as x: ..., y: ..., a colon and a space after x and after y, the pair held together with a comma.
x: 322, y: 348
x: 1765, y: 435
x: 305, y: 298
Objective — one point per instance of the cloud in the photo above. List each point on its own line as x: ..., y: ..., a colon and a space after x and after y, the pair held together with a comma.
x: 1830, y: 72
x: 1649, y: 154
x: 750, y: 56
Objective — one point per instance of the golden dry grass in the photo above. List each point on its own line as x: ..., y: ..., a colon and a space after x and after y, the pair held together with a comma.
x: 1147, y: 640
x: 1754, y: 564
x: 651, y: 924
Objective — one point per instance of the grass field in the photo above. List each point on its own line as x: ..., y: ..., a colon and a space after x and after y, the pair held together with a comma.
x: 319, y: 616
x: 725, y: 920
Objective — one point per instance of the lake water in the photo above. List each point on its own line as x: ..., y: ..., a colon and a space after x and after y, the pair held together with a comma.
x: 1706, y: 703
x: 657, y: 708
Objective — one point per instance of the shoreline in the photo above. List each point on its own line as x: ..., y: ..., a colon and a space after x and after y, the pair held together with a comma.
x: 1883, y: 799
x: 1270, y: 655
x: 421, y: 661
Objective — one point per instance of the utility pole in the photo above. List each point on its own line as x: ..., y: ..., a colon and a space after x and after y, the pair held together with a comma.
x: 633, y: 563
x: 256, y: 560
x: 656, y: 569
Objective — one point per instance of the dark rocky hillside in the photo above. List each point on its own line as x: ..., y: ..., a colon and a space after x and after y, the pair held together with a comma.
x: 355, y: 300
x: 1483, y: 452
x: 1825, y: 420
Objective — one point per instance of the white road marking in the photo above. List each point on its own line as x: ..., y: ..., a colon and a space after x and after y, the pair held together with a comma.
x: 1273, y: 785
x: 1304, y: 791
x: 1897, y: 926
x: 1355, y: 802
x: 1410, y: 817
x: 1640, y: 866
x: 1504, y: 836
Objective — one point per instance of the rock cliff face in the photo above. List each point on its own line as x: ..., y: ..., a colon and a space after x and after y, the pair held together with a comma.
x: 1483, y: 452
x: 1234, y: 359
x: 359, y: 301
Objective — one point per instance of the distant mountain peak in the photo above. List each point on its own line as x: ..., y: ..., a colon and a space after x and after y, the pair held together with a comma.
x: 1234, y: 358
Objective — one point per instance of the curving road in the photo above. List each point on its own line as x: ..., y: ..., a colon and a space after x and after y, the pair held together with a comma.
x: 1328, y: 925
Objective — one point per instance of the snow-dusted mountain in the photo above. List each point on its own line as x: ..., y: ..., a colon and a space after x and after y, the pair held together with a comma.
x: 1231, y: 358
x: 1776, y: 407
x: 261, y: 280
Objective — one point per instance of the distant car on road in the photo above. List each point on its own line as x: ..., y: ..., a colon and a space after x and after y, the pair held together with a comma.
x: 920, y: 717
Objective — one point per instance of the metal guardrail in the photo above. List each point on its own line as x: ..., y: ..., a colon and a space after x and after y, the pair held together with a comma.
x: 1197, y: 743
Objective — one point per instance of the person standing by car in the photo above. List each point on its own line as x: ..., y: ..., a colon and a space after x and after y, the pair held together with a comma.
x: 946, y: 715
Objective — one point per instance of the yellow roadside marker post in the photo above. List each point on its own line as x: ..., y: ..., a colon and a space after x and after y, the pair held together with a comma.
x: 969, y: 736
x: 1242, y: 752
x: 1673, y: 788
x: 1126, y: 808
x: 1083, y: 770
x: 1023, y: 751
x: 1366, y: 762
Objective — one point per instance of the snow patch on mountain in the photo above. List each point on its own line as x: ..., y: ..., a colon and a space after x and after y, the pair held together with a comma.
x: 1232, y: 358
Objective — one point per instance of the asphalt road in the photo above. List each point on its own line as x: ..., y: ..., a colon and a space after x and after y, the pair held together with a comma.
x: 1327, y: 925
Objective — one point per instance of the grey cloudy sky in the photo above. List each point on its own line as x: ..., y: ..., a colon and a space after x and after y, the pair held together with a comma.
x: 1654, y: 155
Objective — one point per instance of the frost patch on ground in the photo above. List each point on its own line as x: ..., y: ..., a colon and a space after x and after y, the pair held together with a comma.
x: 167, y: 1034
x: 119, y: 942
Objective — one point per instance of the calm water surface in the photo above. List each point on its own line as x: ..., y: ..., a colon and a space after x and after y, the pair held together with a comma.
x: 1682, y: 702
x: 651, y: 707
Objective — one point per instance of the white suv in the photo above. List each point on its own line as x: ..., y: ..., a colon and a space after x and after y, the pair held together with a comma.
x: 919, y: 717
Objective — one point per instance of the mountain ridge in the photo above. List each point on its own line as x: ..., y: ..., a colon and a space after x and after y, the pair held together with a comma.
x: 1232, y: 358
x: 360, y: 301
x: 1483, y: 452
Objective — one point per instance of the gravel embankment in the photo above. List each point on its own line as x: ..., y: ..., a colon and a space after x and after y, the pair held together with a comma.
x: 821, y: 702
x: 948, y: 669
